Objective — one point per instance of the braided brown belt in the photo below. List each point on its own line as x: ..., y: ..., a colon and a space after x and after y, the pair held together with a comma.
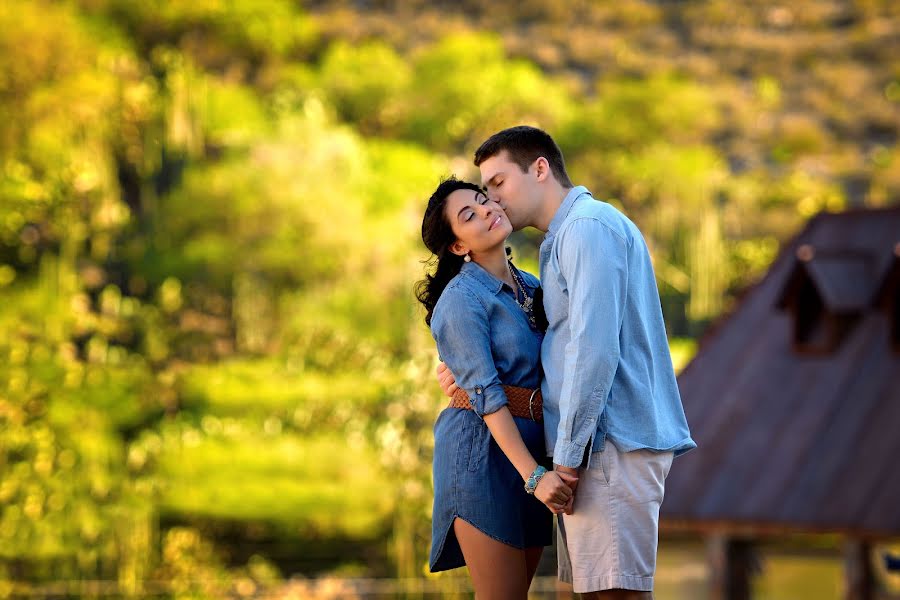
x: 523, y: 402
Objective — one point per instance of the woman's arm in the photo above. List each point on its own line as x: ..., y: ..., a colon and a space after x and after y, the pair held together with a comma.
x: 461, y: 330
x: 551, y: 489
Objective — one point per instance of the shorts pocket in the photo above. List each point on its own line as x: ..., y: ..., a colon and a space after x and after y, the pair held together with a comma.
x: 667, y: 463
x: 604, y: 466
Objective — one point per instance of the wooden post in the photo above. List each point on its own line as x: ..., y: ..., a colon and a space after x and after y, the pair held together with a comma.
x: 732, y: 564
x: 858, y: 577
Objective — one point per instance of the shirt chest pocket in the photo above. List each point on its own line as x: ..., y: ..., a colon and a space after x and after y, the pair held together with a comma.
x: 556, y: 300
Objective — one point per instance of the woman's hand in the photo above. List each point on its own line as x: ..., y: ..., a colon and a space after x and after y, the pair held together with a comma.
x: 446, y: 380
x: 553, y: 492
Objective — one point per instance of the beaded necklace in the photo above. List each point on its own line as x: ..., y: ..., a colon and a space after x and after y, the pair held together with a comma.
x: 527, y: 305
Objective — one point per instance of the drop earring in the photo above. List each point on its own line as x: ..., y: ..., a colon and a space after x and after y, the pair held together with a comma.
x: 467, y: 258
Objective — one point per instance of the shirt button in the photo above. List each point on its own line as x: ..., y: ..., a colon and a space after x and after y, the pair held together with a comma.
x: 477, y: 389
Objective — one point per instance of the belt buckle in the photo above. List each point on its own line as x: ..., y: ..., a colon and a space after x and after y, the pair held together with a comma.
x: 530, y: 403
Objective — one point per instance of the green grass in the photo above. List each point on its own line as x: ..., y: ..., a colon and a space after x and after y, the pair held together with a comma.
x: 323, y: 483
x: 683, y: 573
x: 248, y: 387
x: 798, y: 577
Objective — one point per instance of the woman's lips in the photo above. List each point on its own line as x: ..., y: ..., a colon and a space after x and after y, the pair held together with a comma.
x: 495, y: 223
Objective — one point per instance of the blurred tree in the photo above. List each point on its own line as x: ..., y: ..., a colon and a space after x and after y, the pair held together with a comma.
x: 369, y: 85
x: 209, y: 221
x: 465, y: 88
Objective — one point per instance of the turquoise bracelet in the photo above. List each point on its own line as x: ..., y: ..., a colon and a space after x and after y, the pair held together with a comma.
x: 534, y: 478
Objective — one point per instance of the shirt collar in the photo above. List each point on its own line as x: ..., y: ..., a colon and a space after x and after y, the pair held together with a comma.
x: 565, y: 207
x: 474, y: 270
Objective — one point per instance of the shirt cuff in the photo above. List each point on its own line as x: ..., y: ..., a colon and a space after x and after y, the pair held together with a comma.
x: 487, y: 400
x: 569, y: 454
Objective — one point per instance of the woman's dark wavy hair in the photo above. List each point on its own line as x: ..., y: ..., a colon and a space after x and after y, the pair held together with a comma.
x: 438, y: 236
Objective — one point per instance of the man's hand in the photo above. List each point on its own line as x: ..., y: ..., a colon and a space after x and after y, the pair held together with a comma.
x: 446, y: 380
x: 553, y: 491
x: 570, y: 477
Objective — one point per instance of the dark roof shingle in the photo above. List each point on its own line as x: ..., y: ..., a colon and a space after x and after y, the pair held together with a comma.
x: 789, y: 440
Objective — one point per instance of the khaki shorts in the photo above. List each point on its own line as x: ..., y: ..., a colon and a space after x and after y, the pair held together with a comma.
x: 609, y: 541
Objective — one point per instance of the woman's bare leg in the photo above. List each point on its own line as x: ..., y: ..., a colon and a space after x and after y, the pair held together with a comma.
x: 498, y: 571
x: 532, y: 558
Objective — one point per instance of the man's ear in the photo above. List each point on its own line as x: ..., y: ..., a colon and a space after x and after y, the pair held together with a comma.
x: 459, y: 248
x: 541, y: 168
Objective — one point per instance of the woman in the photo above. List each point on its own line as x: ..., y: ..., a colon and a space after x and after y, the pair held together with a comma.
x: 488, y: 483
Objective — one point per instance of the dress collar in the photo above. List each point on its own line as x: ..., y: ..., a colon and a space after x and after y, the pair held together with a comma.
x: 476, y: 271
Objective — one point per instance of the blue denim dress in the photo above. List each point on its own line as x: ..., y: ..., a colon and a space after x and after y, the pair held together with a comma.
x: 487, y: 341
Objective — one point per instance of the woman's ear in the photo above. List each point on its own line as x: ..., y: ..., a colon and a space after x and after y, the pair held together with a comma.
x: 459, y: 248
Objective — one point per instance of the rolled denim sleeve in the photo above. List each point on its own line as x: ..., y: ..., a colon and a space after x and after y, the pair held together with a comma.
x: 593, y: 261
x: 462, y: 333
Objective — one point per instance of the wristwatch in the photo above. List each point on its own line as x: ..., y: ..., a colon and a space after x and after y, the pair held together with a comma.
x: 534, y: 478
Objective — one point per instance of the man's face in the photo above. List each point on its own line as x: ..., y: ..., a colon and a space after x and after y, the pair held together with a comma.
x: 509, y: 187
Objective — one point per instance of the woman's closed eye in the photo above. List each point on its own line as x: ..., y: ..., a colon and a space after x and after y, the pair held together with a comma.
x: 481, y: 199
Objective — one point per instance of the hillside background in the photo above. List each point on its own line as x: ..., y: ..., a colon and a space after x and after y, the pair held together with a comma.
x: 213, y: 373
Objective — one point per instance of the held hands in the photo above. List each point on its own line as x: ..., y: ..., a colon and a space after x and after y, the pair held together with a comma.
x: 555, y: 491
x: 570, y: 477
x: 446, y: 379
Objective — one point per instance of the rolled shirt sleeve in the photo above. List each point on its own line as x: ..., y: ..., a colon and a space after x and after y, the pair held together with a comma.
x: 593, y: 262
x: 462, y: 333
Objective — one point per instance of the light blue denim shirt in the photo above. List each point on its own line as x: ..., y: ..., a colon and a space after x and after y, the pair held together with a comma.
x: 484, y: 337
x: 605, y: 354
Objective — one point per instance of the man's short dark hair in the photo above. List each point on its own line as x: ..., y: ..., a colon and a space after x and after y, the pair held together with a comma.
x: 525, y: 145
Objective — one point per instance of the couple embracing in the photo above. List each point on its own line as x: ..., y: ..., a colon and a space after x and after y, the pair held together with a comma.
x: 563, y: 396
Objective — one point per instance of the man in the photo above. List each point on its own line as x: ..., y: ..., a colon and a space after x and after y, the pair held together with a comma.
x: 612, y: 412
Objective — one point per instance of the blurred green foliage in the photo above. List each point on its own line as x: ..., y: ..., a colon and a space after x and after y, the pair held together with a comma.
x: 209, y: 217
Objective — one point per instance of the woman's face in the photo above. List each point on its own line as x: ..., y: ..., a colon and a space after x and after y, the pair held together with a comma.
x: 478, y: 223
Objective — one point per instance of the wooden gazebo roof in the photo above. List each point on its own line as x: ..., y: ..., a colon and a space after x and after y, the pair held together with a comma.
x: 794, y: 398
